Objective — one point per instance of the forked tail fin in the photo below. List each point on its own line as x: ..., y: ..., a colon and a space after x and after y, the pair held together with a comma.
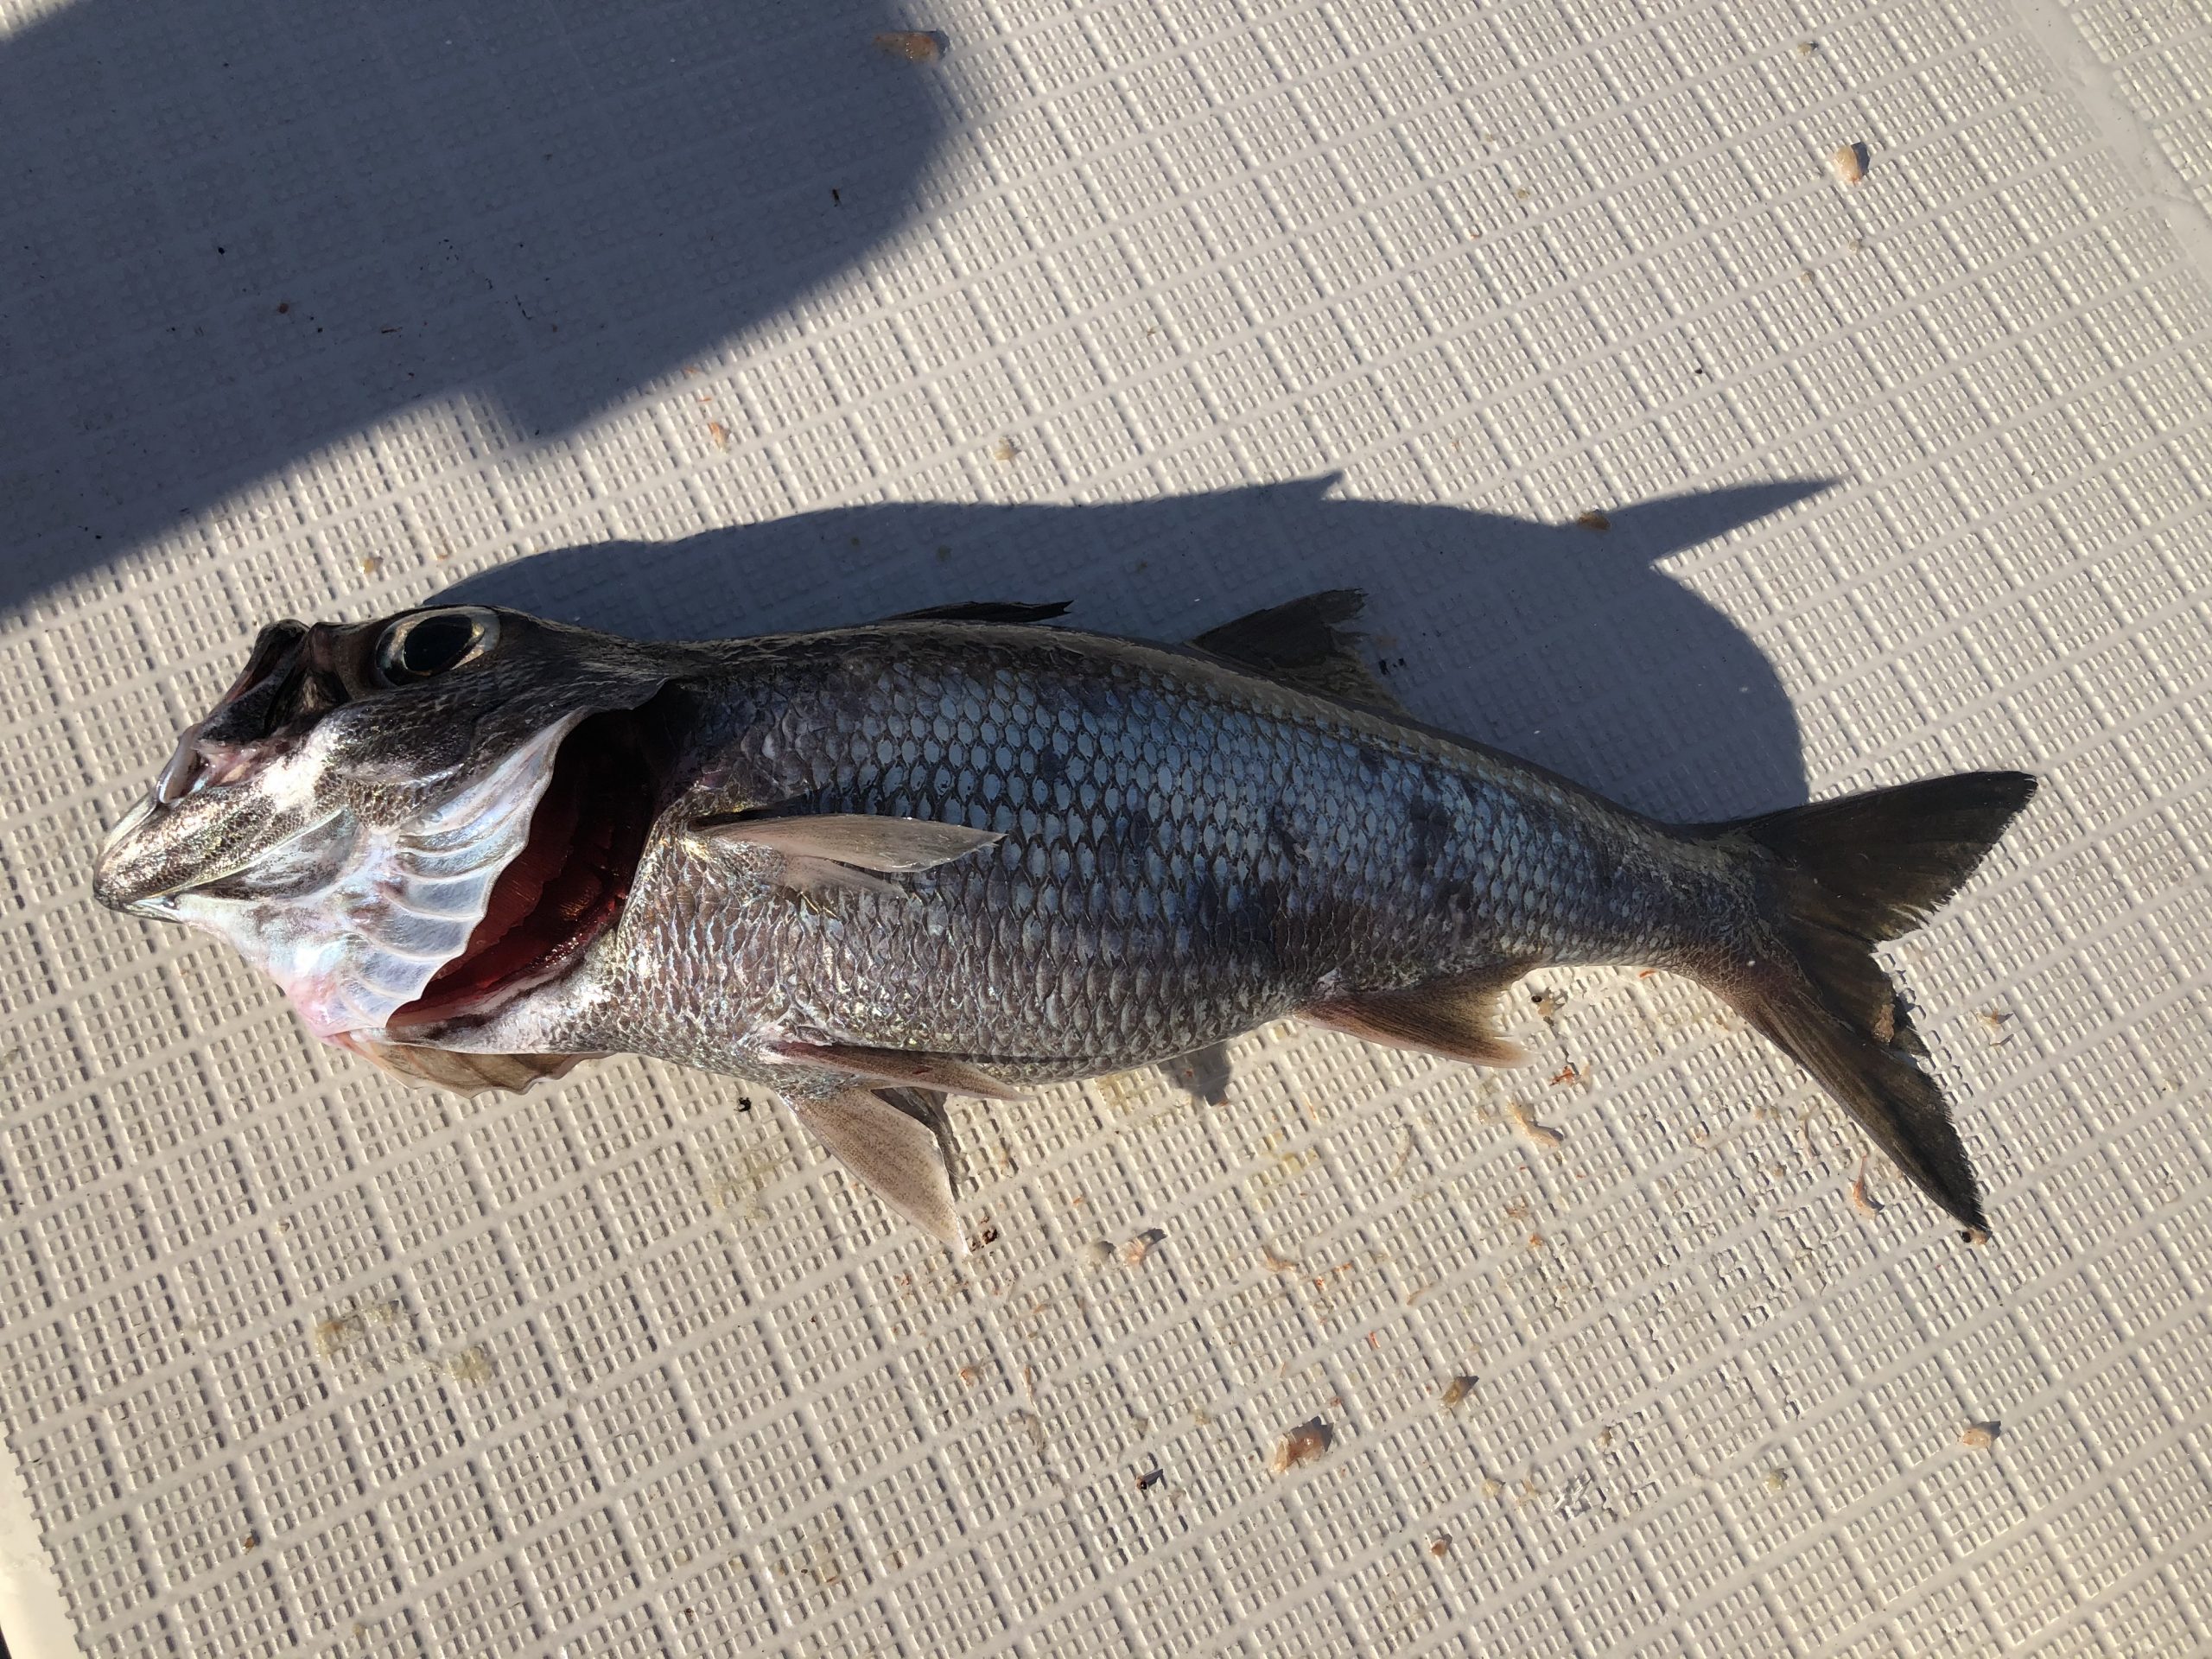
x: 1839, y: 877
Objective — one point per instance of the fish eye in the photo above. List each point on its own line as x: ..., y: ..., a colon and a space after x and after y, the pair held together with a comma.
x: 431, y: 643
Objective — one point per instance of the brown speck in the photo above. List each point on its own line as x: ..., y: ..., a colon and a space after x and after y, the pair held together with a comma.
x: 1004, y: 451
x: 1134, y: 1253
x: 1806, y: 48
x: 691, y: 368
x: 1849, y: 163
x: 913, y: 45
x: 1149, y: 1478
x: 1994, y: 1020
x: 1275, y: 1263
x: 1885, y: 1025
x: 1457, y: 1389
x: 251, y: 1542
x: 1593, y: 520
x: 1493, y: 1485
x: 371, y: 564
x: 1862, y: 1200
x: 1604, y: 1439
x: 1535, y: 1240
x: 1299, y: 1445
x: 1978, y: 1436
x: 283, y: 306
x: 1441, y: 1549
x: 1646, y: 973
x: 720, y: 433
x: 1518, y: 1209
x: 1778, y: 1480
x: 969, y: 1374
x: 1567, y: 1074
x: 1547, y: 1003
x: 1524, y: 195
x: 1539, y: 1135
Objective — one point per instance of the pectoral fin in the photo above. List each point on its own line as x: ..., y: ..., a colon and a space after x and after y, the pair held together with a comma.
x: 915, y: 1067
x: 895, y: 1150
x: 464, y: 1074
x: 1456, y: 1016
x: 852, y: 849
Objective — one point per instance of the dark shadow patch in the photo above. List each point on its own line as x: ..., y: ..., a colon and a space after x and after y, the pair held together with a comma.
x: 238, y: 233
x: 1577, y: 651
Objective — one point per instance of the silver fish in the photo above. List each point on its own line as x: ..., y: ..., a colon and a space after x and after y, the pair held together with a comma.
x: 968, y: 851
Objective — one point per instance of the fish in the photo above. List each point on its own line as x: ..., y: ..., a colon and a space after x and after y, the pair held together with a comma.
x: 974, y: 850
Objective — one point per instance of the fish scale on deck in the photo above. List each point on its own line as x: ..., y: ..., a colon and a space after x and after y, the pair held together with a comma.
x: 965, y: 851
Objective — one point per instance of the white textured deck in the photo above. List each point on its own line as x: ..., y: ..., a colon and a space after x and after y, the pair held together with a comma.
x: 685, y: 317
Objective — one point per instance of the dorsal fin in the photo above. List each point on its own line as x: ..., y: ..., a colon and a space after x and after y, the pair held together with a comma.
x: 984, y: 610
x: 1304, y: 643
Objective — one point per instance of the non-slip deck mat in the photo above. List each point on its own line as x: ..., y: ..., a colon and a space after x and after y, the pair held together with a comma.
x: 693, y: 318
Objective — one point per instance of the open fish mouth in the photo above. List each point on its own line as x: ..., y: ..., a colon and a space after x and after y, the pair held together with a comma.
x: 565, y: 887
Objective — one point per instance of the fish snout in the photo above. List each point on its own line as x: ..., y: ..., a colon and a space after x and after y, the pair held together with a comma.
x: 128, y: 873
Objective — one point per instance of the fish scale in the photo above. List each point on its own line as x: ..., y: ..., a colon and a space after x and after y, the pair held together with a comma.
x: 962, y: 851
x: 1143, y: 799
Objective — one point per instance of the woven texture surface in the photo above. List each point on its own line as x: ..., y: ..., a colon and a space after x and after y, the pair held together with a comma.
x: 686, y: 318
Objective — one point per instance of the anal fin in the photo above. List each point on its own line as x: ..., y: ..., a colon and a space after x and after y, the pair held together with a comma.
x: 1455, y: 1015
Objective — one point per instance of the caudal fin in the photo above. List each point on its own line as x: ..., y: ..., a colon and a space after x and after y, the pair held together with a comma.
x: 1839, y: 877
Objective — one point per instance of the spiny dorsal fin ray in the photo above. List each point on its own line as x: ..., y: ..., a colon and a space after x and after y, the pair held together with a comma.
x: 1455, y: 1016
x: 984, y: 610
x: 1304, y: 644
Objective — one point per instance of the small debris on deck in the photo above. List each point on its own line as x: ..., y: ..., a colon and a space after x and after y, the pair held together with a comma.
x: 1300, y: 1446
x: 1849, y: 163
x: 1979, y: 1436
x: 1457, y: 1388
x: 1539, y: 1135
x: 914, y: 45
x: 1134, y: 1253
x: 1593, y: 520
x: 1862, y: 1200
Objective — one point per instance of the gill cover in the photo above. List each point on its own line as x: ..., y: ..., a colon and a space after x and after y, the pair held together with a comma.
x: 343, y: 814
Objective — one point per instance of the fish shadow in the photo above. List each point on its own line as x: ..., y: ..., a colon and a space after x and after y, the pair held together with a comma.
x: 238, y: 233
x: 1565, y: 645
